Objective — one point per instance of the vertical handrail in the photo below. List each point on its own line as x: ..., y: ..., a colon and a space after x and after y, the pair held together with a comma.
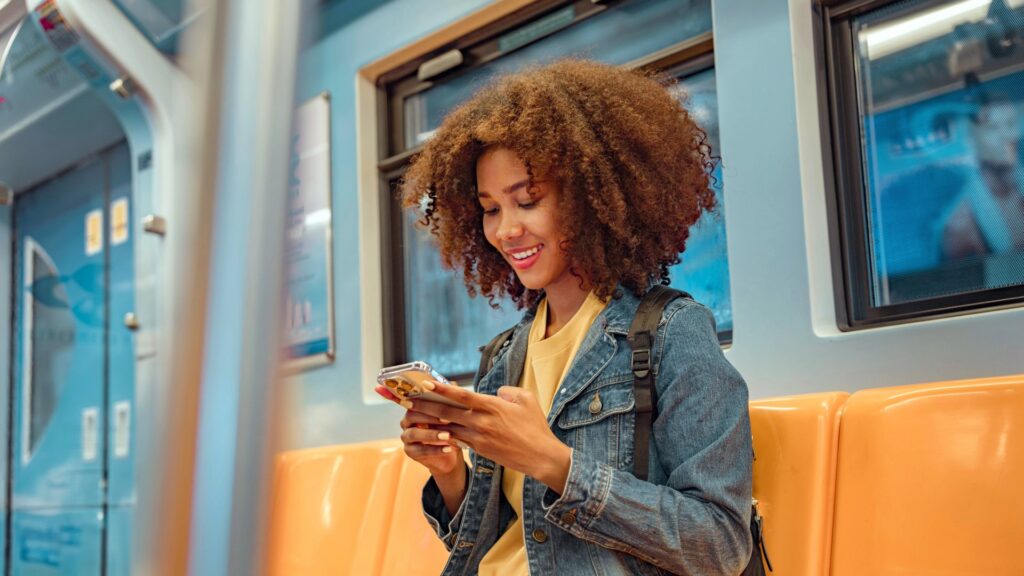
x: 235, y: 442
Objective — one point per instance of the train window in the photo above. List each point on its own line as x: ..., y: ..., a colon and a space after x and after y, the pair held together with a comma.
x: 51, y: 333
x: 925, y: 98
x: 669, y: 36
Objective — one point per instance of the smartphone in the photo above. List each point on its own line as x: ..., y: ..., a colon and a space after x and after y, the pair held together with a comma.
x: 405, y: 381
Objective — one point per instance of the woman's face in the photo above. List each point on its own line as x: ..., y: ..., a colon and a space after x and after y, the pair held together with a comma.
x: 524, y: 228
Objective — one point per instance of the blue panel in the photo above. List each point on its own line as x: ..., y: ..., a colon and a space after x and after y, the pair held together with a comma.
x: 119, y: 540
x: 121, y: 407
x: 52, y: 542
x: 59, y: 337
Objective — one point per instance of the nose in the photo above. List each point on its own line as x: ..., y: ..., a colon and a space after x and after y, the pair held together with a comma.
x: 510, y: 227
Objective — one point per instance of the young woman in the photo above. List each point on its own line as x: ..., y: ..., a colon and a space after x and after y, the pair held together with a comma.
x: 571, y: 189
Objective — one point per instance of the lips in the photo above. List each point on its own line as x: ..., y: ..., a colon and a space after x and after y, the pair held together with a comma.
x: 525, y: 257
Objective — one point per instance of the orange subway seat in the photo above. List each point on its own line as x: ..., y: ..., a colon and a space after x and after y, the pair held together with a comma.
x: 332, y: 509
x: 412, y: 548
x: 795, y: 444
x: 928, y: 480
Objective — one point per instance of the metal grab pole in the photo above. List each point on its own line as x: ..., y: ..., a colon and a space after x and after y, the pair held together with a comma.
x: 235, y: 442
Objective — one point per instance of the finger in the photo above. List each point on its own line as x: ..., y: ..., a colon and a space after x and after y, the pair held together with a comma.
x: 412, y: 418
x: 422, y: 451
x: 440, y: 411
x: 460, y: 395
x: 512, y: 394
x: 385, y: 393
x: 426, y: 436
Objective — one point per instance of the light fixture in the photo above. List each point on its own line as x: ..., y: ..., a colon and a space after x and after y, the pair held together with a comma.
x: 919, y: 28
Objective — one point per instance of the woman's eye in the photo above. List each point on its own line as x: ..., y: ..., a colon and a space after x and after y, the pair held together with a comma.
x: 490, y: 211
x: 528, y: 205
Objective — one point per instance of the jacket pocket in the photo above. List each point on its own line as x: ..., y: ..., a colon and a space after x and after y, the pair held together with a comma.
x: 600, y: 421
x: 602, y: 400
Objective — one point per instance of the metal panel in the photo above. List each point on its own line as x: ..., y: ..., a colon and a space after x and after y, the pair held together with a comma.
x: 59, y: 349
x: 51, y: 542
x: 121, y: 375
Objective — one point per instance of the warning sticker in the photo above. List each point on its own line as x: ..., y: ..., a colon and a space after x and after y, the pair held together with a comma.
x: 93, y: 232
x: 118, y: 221
x: 122, y: 429
x: 90, y: 437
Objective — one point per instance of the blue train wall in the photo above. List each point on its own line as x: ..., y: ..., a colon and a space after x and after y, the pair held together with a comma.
x: 786, y: 338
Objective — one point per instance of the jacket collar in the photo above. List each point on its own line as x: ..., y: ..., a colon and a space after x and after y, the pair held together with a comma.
x: 616, y: 317
x: 597, y: 349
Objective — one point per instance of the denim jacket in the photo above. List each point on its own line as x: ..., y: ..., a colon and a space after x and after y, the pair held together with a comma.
x: 693, y: 514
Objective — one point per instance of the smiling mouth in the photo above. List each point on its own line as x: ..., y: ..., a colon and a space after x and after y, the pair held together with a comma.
x: 523, y: 259
x: 524, y: 254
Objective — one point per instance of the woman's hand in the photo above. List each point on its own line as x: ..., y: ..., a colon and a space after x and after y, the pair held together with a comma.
x: 510, y: 429
x: 432, y: 448
x: 425, y: 443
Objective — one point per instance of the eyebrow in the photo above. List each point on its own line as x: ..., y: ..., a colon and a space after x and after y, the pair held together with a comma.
x: 508, y: 189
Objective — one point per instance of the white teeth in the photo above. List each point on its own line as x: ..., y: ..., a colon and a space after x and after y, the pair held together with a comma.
x: 526, y: 254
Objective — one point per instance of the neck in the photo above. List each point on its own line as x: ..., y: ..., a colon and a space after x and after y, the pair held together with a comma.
x: 563, y: 303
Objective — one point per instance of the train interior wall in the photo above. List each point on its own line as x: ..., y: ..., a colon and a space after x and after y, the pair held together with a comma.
x: 786, y: 339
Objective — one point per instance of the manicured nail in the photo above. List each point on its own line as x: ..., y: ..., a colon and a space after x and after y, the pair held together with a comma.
x: 407, y: 404
x: 446, y: 449
x: 443, y: 421
x: 462, y: 444
x: 443, y: 435
x: 429, y: 385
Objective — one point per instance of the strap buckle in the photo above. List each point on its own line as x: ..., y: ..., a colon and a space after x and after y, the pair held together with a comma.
x: 641, y: 363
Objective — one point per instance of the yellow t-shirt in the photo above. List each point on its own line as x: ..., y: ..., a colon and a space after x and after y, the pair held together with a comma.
x: 547, y: 362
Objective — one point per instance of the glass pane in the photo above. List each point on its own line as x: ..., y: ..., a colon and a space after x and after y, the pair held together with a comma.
x: 160, y: 20
x: 444, y: 326
x: 623, y: 33
x: 704, y: 270
x: 940, y: 93
x: 52, y: 333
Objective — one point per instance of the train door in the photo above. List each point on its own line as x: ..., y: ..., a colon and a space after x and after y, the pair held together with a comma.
x: 71, y: 474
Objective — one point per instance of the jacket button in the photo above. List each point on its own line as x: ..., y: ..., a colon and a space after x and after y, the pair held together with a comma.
x: 569, y: 518
x: 540, y: 535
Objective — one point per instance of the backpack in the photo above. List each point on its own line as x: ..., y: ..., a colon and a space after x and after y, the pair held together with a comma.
x: 641, y: 339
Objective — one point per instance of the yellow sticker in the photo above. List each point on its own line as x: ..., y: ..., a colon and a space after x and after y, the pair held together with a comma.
x: 118, y: 221
x: 93, y: 232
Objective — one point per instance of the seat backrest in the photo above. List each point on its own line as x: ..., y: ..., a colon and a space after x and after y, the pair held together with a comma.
x: 332, y: 508
x: 929, y: 478
x: 795, y: 443
x: 412, y: 548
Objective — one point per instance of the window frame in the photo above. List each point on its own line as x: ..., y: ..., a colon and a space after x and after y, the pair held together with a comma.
x: 846, y: 189
x: 479, y: 46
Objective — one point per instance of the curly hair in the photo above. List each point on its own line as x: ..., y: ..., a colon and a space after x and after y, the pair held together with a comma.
x: 633, y: 166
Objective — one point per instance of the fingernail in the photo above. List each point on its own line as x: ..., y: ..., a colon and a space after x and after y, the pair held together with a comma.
x: 443, y: 435
x: 446, y: 449
x: 443, y: 421
x: 428, y: 384
x: 462, y: 444
x: 407, y: 404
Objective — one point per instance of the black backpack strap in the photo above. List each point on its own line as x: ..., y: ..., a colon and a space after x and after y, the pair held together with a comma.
x: 487, y: 352
x: 641, y: 339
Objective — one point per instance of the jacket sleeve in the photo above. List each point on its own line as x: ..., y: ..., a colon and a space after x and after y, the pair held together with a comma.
x: 693, y: 517
x: 444, y: 524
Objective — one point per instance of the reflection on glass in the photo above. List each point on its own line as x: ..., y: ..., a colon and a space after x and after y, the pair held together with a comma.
x: 52, y: 336
x: 704, y: 270
x: 623, y: 33
x: 941, y: 90
x: 444, y: 326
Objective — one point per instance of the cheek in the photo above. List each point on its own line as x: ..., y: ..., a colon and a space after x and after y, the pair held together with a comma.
x: 490, y: 227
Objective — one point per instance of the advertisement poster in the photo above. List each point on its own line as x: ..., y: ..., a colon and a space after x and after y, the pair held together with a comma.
x: 309, y: 293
